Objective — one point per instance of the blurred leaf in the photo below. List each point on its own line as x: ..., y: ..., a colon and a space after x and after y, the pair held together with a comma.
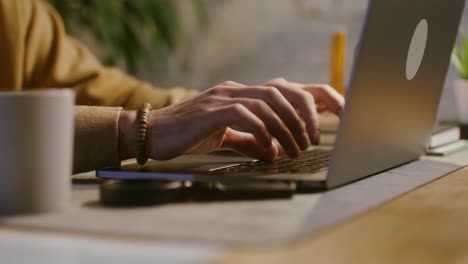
x: 457, y: 62
x: 123, y: 28
x: 464, y: 41
x: 460, y: 56
x: 202, y: 13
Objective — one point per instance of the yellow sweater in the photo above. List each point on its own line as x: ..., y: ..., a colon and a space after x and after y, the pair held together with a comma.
x: 37, y: 54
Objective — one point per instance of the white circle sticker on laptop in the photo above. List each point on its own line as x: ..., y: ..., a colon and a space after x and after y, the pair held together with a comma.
x: 417, y: 49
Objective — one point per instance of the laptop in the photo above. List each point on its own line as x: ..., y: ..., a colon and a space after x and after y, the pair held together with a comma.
x: 398, y: 75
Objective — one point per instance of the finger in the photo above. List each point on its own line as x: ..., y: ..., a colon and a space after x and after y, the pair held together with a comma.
x: 281, y: 106
x: 321, y: 107
x: 238, y: 117
x: 275, y: 126
x: 223, y: 89
x: 246, y: 144
x: 333, y: 100
x: 233, y: 84
x: 304, y: 102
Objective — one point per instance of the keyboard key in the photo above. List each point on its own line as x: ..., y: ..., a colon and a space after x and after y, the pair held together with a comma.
x: 309, y: 162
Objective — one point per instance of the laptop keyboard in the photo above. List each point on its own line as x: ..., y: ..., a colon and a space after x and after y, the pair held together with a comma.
x: 309, y: 162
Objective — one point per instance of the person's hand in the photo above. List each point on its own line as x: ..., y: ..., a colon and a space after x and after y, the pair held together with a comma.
x: 240, y: 118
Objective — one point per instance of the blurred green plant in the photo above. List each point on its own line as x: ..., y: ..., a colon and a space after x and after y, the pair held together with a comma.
x: 460, y: 56
x: 128, y: 29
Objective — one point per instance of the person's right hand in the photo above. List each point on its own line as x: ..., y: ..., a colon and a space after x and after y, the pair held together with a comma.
x: 241, y: 118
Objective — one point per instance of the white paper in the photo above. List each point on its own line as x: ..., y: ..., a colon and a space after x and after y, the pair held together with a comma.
x: 43, y: 248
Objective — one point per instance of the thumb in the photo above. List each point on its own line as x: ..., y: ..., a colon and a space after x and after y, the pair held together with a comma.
x: 246, y: 144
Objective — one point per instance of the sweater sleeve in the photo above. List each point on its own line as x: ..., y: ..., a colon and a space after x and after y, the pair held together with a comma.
x: 53, y: 59
x: 36, y: 53
x: 96, y: 138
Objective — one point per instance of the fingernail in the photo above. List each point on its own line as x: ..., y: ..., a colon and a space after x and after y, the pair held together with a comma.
x: 296, y: 154
x: 305, y: 141
x: 268, y: 143
x: 317, y: 137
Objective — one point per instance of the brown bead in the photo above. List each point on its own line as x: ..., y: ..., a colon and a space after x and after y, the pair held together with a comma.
x: 143, y: 115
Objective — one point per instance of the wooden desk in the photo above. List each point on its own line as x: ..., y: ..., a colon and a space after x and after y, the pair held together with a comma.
x: 428, y: 225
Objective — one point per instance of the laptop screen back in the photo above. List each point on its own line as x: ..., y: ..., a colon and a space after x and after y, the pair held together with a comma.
x: 398, y: 76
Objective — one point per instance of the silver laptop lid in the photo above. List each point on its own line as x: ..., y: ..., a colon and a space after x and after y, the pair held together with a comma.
x: 398, y: 76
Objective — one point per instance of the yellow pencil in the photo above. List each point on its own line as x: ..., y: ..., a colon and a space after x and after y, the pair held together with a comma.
x: 338, y: 47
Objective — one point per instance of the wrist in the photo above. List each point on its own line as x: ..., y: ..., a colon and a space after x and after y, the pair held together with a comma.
x: 128, y: 125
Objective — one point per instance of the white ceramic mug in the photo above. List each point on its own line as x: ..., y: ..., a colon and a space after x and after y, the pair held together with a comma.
x: 36, y: 148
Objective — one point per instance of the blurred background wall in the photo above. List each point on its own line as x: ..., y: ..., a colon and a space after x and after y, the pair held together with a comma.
x: 252, y: 41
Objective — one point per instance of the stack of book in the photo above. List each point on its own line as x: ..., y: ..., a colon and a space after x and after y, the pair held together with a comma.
x: 328, y: 127
x: 446, y: 139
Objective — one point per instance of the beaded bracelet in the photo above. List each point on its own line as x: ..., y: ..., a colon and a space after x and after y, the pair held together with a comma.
x: 143, y: 113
